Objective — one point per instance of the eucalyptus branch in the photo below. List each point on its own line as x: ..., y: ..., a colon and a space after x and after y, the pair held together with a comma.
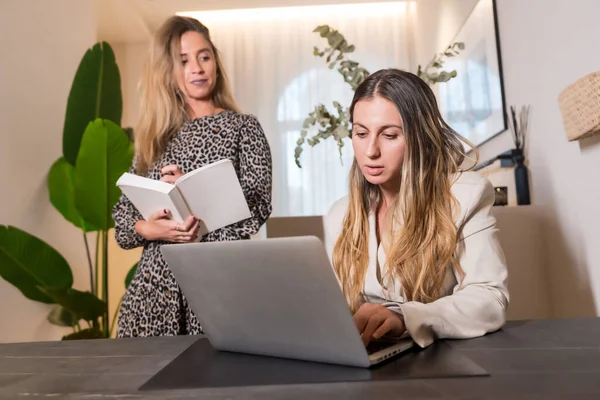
x: 329, y: 125
x: 352, y: 73
x: 432, y: 72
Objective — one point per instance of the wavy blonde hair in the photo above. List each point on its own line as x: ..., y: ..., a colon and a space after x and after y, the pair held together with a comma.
x: 421, y: 239
x: 163, y: 109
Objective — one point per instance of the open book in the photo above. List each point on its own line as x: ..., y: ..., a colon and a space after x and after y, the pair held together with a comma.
x: 211, y: 193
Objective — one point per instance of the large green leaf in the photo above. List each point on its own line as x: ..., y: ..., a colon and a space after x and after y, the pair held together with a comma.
x: 105, y: 154
x: 130, y: 275
x: 61, y: 185
x: 95, y: 93
x: 83, y: 304
x: 28, y: 263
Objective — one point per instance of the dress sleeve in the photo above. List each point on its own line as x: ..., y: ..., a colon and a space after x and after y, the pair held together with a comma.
x: 478, y: 302
x: 256, y: 180
x: 125, y: 216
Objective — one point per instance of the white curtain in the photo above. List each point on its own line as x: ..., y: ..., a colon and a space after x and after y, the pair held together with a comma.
x: 275, y: 76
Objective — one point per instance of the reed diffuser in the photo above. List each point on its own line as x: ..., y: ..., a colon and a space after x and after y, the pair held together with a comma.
x: 518, y: 127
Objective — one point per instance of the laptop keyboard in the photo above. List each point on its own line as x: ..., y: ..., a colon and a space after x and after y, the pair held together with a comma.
x: 375, y: 346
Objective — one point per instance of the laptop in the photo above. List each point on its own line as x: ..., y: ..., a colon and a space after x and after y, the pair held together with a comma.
x: 274, y: 297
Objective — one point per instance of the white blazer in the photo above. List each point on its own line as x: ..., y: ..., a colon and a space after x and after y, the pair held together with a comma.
x: 476, y: 308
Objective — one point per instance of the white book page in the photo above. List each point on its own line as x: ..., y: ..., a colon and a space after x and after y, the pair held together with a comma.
x: 128, y: 179
x: 214, y: 195
x: 191, y: 174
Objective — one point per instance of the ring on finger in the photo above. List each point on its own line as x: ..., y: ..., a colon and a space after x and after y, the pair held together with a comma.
x: 177, y: 227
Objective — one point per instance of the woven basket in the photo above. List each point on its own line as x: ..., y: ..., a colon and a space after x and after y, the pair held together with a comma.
x: 580, y: 107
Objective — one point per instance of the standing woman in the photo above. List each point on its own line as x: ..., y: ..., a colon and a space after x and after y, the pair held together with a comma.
x: 415, y: 244
x: 188, y: 119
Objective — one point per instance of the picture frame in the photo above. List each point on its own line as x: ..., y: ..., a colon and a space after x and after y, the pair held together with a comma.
x: 473, y: 103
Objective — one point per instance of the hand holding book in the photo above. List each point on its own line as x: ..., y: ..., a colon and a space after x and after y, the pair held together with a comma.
x: 161, y: 226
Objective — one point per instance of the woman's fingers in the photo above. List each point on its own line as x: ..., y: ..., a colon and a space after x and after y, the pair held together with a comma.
x: 186, y: 232
x: 184, y: 238
x: 171, y: 169
x: 169, y: 178
x: 375, y: 321
x: 170, y: 173
x: 388, y: 325
x: 160, y: 214
x: 194, y: 227
x: 192, y: 234
x: 188, y: 224
x: 361, y: 317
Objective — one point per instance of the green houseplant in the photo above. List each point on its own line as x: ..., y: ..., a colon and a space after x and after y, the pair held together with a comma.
x: 335, y: 125
x: 81, y: 186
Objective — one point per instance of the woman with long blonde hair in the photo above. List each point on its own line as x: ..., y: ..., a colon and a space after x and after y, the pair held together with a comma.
x: 188, y: 119
x: 414, y: 244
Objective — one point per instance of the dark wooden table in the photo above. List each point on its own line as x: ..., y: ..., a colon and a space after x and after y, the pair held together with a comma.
x: 545, y: 359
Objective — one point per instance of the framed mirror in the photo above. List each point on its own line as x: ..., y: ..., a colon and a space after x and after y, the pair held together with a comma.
x: 473, y: 102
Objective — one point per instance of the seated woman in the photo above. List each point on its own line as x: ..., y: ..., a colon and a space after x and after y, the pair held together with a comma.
x: 414, y: 245
x: 188, y: 119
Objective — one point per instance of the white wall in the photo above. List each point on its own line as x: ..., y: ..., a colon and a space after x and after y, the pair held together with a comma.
x: 42, y: 43
x: 546, y: 45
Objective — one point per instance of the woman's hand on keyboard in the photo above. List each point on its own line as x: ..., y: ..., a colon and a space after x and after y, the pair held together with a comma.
x: 374, y: 320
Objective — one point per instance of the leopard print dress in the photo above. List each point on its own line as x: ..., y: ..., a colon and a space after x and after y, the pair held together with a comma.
x: 153, y: 304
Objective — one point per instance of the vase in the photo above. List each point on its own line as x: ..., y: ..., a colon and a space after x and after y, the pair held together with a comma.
x: 522, y: 184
